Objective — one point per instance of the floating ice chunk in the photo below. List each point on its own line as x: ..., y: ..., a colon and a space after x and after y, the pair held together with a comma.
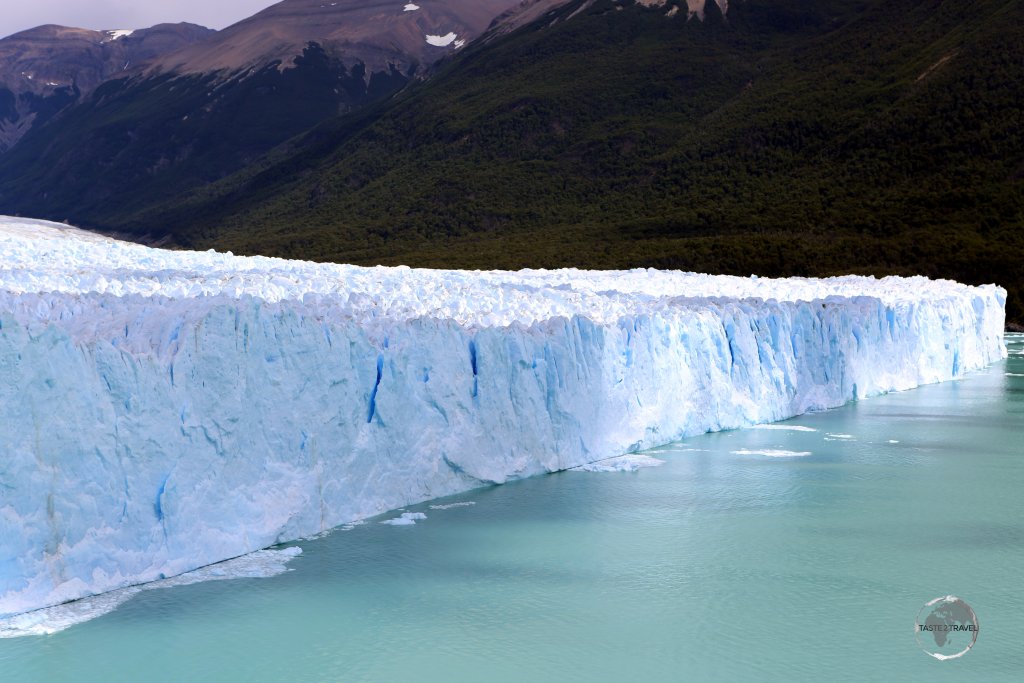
x: 442, y: 41
x: 892, y: 441
x: 410, y: 8
x: 450, y: 506
x: 49, y: 620
x: 787, y: 428
x: 1014, y: 374
x: 771, y: 453
x: 52, y: 620
x: 839, y: 436
x: 623, y: 463
x: 407, y: 519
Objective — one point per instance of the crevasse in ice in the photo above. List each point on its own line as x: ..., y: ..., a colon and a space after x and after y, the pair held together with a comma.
x: 165, y: 410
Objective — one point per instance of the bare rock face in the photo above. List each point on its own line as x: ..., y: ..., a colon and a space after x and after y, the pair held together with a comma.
x: 380, y: 43
x: 383, y: 35
x: 163, y: 120
x: 44, y: 69
x: 58, y: 56
x: 522, y: 13
x: 694, y: 8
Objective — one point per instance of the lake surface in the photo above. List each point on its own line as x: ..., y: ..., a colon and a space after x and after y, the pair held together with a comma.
x: 720, y: 564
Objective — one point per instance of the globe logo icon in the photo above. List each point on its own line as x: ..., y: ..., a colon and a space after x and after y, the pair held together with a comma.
x: 946, y: 627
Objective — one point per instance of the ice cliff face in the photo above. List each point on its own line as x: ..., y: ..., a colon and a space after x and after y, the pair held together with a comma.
x: 162, y: 410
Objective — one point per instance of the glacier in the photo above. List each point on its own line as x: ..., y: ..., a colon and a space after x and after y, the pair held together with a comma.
x: 165, y: 410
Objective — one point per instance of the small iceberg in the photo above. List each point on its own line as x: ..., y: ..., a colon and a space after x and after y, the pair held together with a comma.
x: 772, y: 453
x: 407, y: 519
x: 622, y: 463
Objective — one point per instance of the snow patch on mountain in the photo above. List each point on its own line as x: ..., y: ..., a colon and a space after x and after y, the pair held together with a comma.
x: 442, y: 41
x: 120, y: 33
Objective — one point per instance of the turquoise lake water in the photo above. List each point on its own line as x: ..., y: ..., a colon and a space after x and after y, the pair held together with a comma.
x: 721, y: 564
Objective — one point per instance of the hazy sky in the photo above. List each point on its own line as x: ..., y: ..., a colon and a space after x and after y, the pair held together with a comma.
x: 18, y: 15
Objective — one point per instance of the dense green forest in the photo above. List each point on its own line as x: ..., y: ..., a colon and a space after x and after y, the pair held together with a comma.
x: 794, y: 138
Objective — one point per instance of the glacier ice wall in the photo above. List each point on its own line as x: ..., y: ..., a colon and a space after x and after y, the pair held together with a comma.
x: 162, y: 411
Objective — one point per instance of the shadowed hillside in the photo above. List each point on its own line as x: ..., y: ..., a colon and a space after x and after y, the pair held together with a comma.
x: 793, y: 138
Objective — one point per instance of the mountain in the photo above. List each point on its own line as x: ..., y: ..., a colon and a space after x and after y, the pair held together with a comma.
x: 45, y: 69
x: 786, y: 138
x: 189, y: 116
x: 385, y: 36
x: 778, y: 137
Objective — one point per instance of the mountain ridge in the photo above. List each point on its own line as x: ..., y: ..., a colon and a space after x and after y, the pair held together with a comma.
x: 47, y: 68
x: 375, y: 32
x: 196, y: 114
x: 822, y: 140
x: 792, y: 139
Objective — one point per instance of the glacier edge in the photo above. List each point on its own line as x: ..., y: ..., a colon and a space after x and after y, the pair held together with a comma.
x: 164, y: 411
